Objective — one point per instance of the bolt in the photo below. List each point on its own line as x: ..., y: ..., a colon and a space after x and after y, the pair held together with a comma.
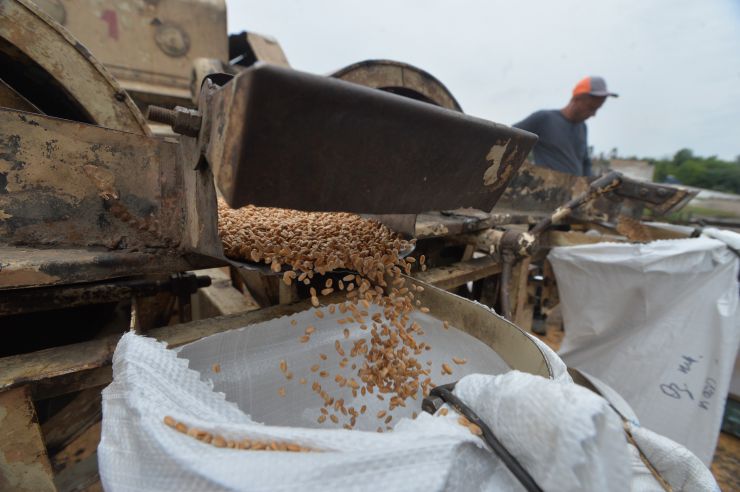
x: 161, y: 115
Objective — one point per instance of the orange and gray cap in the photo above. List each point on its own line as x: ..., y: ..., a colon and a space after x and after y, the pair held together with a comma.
x: 594, y: 86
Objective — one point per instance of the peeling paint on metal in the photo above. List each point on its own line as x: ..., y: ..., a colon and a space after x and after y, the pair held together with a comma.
x: 73, y: 172
x: 525, y: 244
x: 495, y: 158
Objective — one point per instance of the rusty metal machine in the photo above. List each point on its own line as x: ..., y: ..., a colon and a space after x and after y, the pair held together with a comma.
x: 148, y: 46
x: 100, y: 219
x: 104, y: 216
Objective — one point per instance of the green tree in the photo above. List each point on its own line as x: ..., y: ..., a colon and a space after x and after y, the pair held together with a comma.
x: 682, y: 156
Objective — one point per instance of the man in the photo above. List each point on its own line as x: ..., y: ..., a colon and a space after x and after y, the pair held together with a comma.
x: 563, y: 144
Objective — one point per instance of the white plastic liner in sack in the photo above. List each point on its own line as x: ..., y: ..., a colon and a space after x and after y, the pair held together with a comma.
x: 249, y: 358
x: 659, y: 323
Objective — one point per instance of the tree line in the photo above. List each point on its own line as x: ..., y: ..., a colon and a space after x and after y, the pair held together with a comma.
x: 703, y: 172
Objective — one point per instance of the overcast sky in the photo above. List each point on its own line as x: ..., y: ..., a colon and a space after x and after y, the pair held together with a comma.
x: 675, y: 63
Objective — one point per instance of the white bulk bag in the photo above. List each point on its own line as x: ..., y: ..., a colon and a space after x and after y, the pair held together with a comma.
x: 659, y: 323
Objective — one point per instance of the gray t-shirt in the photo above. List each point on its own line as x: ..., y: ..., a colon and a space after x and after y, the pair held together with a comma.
x: 562, y: 145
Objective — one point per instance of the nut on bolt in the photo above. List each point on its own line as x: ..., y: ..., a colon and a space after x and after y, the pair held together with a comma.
x: 182, y: 120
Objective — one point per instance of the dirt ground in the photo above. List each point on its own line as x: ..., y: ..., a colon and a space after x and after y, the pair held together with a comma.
x: 726, y: 463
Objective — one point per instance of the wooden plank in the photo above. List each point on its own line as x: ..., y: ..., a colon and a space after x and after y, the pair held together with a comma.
x: 71, y: 383
x: 24, y: 465
x: 82, y: 476
x: 76, y: 466
x: 84, y: 445
x: 61, y: 370
x: 524, y: 313
x: 468, y: 252
x: 518, y: 292
x: 51, y: 363
x: 457, y: 274
x: 72, y: 420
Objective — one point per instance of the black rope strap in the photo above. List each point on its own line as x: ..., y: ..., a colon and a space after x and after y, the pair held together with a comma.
x: 444, y: 392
